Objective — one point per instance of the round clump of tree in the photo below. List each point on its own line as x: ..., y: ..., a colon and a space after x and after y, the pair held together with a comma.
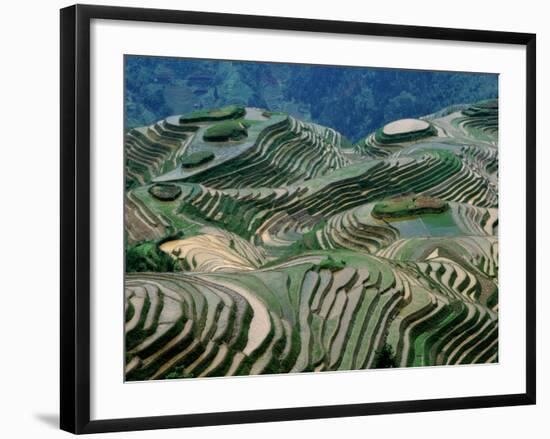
x: 408, y: 206
x: 196, y: 159
x: 227, y: 130
x: 214, y: 114
x: 165, y: 191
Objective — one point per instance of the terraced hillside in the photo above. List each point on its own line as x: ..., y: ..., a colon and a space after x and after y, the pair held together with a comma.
x: 257, y: 243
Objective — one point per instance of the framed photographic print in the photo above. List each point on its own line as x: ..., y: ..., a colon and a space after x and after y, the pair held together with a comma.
x: 268, y: 218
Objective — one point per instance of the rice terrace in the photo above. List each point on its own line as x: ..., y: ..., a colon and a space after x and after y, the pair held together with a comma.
x: 262, y: 240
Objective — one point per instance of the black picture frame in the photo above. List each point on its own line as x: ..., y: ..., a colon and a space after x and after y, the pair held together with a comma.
x: 75, y: 217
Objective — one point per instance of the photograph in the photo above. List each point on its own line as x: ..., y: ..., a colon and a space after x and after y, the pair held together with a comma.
x: 284, y: 218
x: 271, y: 220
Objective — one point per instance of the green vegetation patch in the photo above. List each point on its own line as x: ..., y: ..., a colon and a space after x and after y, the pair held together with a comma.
x: 307, y: 242
x: 147, y: 257
x: 215, y: 114
x: 165, y: 192
x: 408, y: 206
x: 331, y: 264
x: 227, y: 130
x: 196, y: 159
x: 384, y: 357
x: 488, y: 108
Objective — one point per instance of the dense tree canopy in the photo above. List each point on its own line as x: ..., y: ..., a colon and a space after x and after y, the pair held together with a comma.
x: 353, y: 100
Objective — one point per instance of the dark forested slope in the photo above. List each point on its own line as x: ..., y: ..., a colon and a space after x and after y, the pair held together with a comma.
x: 157, y: 87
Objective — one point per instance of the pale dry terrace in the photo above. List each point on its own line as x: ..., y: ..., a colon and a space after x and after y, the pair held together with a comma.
x: 405, y: 126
